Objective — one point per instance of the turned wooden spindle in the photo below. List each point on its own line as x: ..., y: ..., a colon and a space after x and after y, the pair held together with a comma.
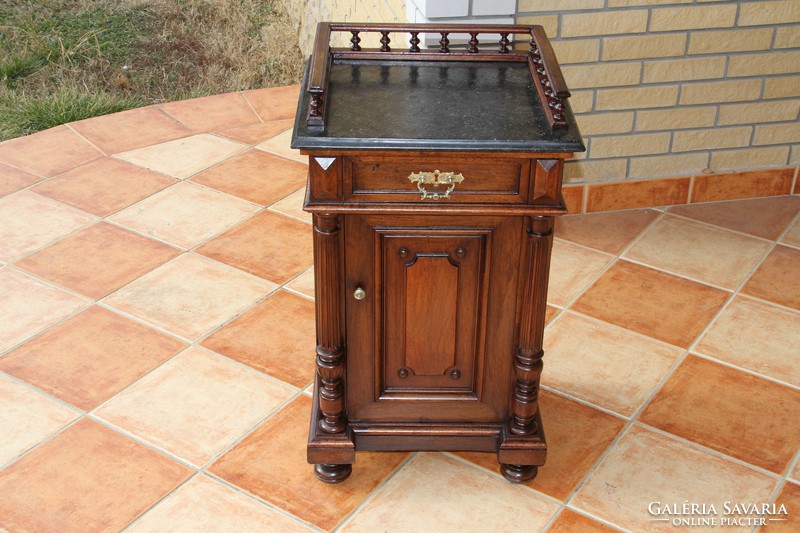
x: 504, y: 42
x: 444, y: 43
x: 355, y: 47
x: 473, y: 43
x: 315, y: 106
x: 385, y: 42
x: 414, y: 41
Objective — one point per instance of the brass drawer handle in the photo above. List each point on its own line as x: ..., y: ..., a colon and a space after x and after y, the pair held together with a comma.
x: 435, y: 178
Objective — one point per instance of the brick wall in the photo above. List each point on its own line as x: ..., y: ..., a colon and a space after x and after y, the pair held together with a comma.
x: 666, y: 88
x: 660, y: 88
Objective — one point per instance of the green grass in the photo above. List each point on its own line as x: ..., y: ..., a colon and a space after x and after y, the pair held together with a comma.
x: 65, y: 60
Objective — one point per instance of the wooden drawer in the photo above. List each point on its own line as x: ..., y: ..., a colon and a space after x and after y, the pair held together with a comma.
x: 470, y: 180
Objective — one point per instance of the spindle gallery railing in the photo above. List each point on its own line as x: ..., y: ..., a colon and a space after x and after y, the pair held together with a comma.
x: 541, y: 59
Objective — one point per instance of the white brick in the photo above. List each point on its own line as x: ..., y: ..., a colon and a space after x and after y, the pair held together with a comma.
x: 559, y: 5
x: 442, y: 8
x: 493, y: 7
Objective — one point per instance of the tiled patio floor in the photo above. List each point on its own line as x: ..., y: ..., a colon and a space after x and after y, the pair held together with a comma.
x: 156, y: 348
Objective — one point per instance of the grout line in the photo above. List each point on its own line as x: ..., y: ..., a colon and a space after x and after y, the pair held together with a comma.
x: 587, y: 514
x: 583, y: 401
x: 68, y: 125
x: 249, y: 104
x: 751, y: 372
x: 707, y: 449
x: 258, y: 499
x: 378, y: 489
x: 250, y: 430
x: 158, y: 502
x: 533, y: 491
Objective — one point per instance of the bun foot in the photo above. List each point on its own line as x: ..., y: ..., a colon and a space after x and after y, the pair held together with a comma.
x: 518, y: 473
x: 332, y: 473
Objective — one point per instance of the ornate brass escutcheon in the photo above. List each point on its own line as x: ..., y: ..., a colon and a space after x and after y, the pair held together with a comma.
x: 435, y: 178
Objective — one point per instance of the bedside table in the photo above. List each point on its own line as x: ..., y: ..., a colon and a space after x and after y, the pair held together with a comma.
x: 434, y: 180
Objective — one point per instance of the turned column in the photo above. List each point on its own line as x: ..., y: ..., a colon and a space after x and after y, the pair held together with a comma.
x: 528, y: 357
x: 330, y: 336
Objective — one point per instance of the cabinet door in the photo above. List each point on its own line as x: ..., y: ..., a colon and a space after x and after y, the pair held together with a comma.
x: 432, y: 338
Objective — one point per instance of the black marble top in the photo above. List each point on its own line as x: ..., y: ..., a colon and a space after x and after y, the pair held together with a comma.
x: 433, y: 105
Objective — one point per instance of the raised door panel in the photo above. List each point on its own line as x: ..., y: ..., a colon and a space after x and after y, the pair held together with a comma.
x: 433, y: 338
x: 432, y: 310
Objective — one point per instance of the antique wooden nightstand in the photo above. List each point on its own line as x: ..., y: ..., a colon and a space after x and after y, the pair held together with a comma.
x: 434, y: 177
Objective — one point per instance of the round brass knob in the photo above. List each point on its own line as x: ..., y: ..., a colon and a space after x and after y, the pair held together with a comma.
x: 403, y: 373
x: 455, y: 374
x: 359, y: 293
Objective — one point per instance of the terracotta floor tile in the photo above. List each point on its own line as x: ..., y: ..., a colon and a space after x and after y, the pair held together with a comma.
x: 698, y: 251
x: 656, y: 304
x: 577, y: 436
x: 796, y: 472
x: 268, y: 245
x: 292, y: 205
x: 572, y: 268
x: 206, y: 505
x: 48, y: 152
x: 129, y: 130
x: 756, y: 336
x: 190, y: 295
x: 98, y: 260
x: 702, y: 402
x: 304, y: 283
x: 608, y: 232
x: 789, y: 497
x: 89, y: 357
x: 26, y: 419
x: 256, y: 133
x: 185, y: 214
x: 12, y: 179
x: 184, y: 157
x: 271, y: 463
x: 792, y: 237
x: 777, y: 279
x: 277, y: 337
x: 29, y: 221
x: 280, y: 145
x: 602, y: 364
x: 762, y: 217
x: 28, y: 306
x: 256, y: 176
x: 194, y: 405
x: 645, y: 467
x: 735, y: 185
x: 88, y: 478
x: 433, y: 489
x: 571, y: 522
x: 275, y: 102
x: 210, y: 112
x: 104, y: 186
